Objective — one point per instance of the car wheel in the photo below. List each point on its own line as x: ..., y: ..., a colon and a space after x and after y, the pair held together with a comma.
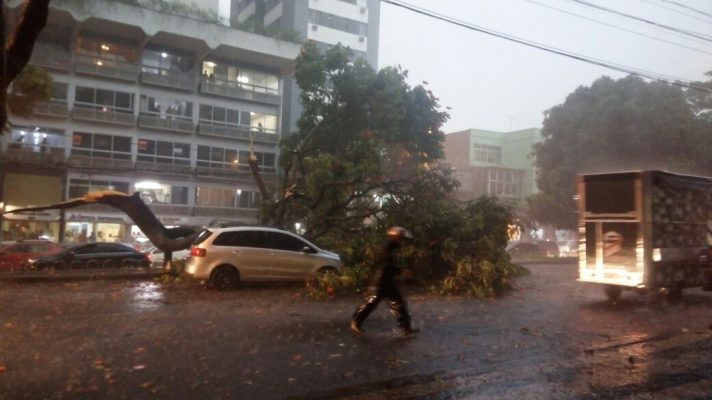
x: 224, y: 277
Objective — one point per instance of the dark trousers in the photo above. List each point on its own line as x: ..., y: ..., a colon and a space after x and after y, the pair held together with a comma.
x: 398, y: 309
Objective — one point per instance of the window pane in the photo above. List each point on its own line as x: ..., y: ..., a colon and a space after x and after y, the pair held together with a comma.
x: 206, y: 112
x: 102, y: 142
x: 84, y: 94
x: 218, y: 114
x: 203, y: 152
x: 181, y: 150
x: 123, y: 100
x: 122, y: 144
x: 105, y: 97
x: 233, y: 116
x: 164, y: 149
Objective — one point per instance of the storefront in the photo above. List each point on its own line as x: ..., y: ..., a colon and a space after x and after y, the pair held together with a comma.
x: 39, y: 225
x: 82, y: 228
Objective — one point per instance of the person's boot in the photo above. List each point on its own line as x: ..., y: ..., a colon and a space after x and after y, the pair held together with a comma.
x: 356, y: 328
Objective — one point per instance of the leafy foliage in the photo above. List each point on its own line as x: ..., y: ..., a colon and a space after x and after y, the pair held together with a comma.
x: 615, y: 125
x: 365, y: 157
x: 32, y: 85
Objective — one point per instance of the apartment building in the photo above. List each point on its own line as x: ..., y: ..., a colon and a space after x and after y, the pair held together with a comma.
x: 353, y: 23
x: 493, y: 163
x: 148, y: 100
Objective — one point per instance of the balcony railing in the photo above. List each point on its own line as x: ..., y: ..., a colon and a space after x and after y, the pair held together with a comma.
x: 205, y: 211
x: 94, y: 161
x: 97, y: 113
x: 166, y: 164
x: 210, y: 128
x: 54, y: 108
x: 166, y: 122
x: 168, y: 78
x: 106, y: 68
x: 52, y: 57
x: 34, y: 154
x: 239, y: 90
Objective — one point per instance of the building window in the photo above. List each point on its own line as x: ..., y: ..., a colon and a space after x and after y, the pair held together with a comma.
x: 80, y: 187
x: 97, y: 145
x: 216, y: 157
x: 59, y: 91
x: 166, y: 106
x: 487, y: 153
x: 503, y: 182
x: 108, y: 50
x: 152, y: 192
x: 245, y: 78
x: 255, y: 121
x: 161, y: 61
x: 105, y: 100
x: 36, y: 139
x: 226, y: 198
x: 338, y: 23
x: 163, y: 152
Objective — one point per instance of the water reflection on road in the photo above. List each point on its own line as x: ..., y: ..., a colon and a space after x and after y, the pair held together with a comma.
x: 146, y: 296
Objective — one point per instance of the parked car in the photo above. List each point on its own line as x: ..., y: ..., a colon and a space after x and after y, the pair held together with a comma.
x: 551, y: 248
x: 14, y: 255
x: 156, y: 255
x: 92, y: 255
x: 525, y: 251
x: 226, y: 256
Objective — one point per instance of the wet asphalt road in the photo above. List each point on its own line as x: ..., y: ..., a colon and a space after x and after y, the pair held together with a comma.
x: 551, y: 338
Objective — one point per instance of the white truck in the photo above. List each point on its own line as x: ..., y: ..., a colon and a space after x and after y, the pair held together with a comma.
x: 645, y: 230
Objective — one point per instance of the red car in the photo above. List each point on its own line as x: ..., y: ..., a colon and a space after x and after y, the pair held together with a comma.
x: 14, y: 255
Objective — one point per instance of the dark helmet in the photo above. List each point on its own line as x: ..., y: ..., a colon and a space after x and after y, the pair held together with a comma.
x: 398, y: 234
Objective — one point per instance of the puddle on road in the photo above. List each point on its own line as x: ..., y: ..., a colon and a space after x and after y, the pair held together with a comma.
x: 146, y: 296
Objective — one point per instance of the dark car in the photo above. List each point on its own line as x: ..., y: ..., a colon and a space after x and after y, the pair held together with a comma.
x: 14, y: 255
x: 523, y: 251
x: 551, y: 248
x: 93, y: 256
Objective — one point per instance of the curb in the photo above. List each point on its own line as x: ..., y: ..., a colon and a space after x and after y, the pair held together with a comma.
x: 80, y: 275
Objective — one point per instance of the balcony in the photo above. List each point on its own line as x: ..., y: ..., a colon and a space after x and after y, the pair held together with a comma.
x: 51, y: 57
x: 205, y: 211
x: 168, y: 78
x: 163, y: 164
x: 33, y: 154
x: 106, y: 68
x: 105, y: 114
x: 84, y: 158
x: 52, y: 109
x: 239, y: 90
x: 166, y: 123
x: 208, y: 128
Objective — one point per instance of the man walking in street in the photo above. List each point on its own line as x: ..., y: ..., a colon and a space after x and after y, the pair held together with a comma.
x: 386, y: 286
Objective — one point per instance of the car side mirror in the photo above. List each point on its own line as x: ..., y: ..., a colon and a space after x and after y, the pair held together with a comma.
x: 307, y: 249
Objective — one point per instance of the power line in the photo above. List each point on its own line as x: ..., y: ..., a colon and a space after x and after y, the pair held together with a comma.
x: 619, y: 28
x: 620, y: 68
x: 687, y: 7
x: 647, y: 21
x: 678, y: 11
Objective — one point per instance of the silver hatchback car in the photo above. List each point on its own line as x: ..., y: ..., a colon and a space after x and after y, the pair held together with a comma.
x: 226, y: 256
